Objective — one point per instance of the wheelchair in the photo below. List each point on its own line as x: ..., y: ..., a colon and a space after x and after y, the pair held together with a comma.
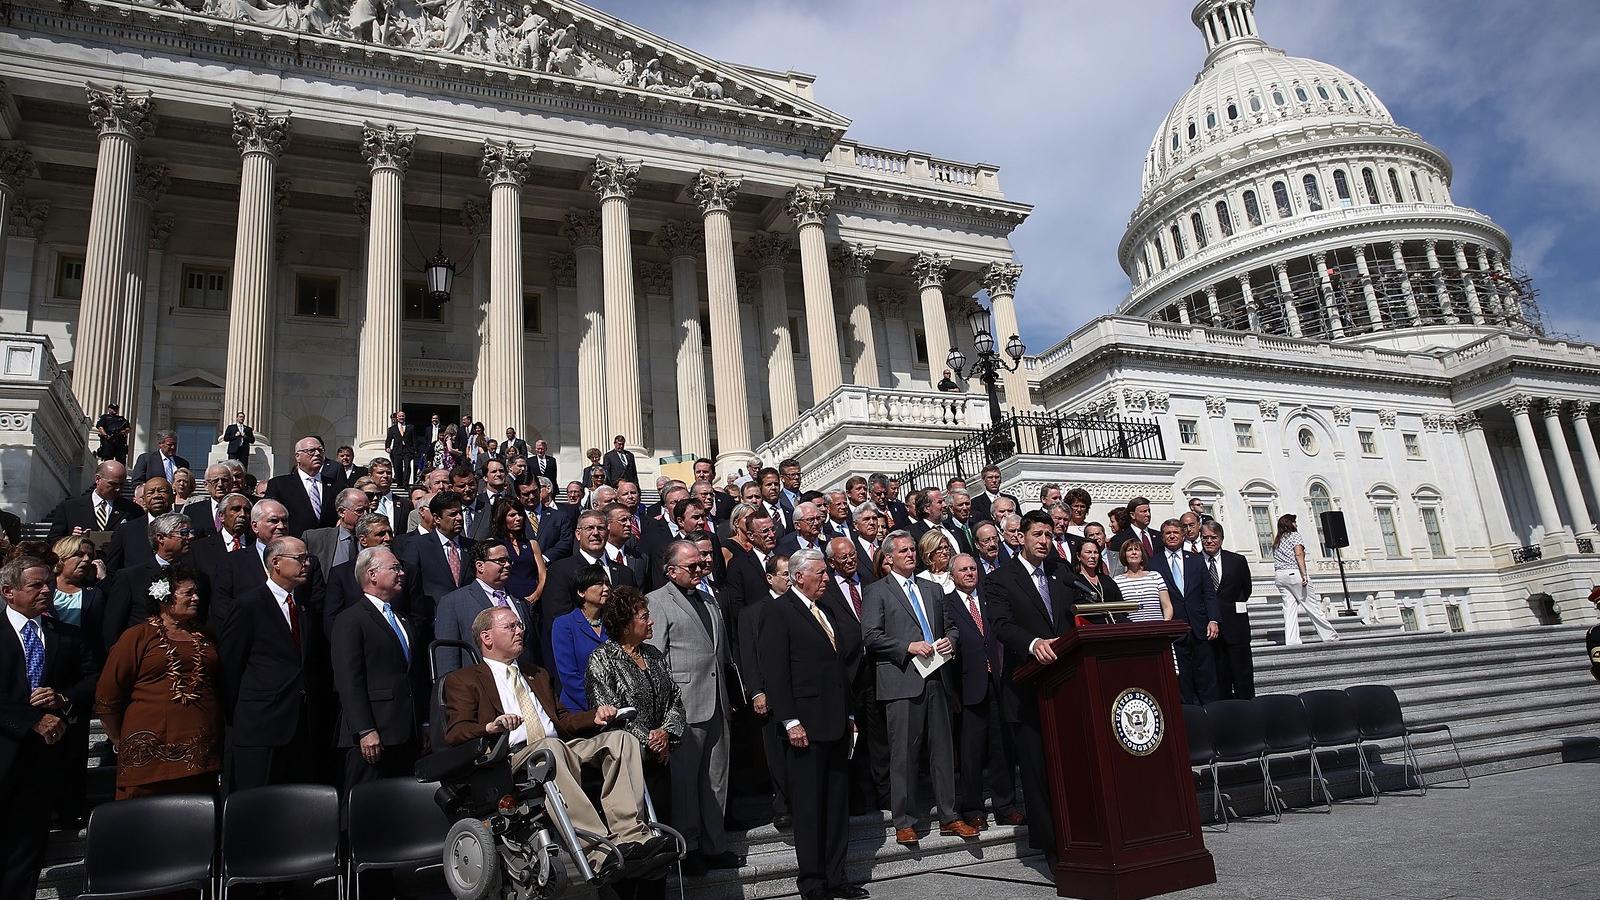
x: 512, y: 838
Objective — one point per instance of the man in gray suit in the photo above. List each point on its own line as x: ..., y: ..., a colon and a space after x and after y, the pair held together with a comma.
x: 689, y: 630
x: 491, y: 564
x: 902, y: 618
x: 336, y: 544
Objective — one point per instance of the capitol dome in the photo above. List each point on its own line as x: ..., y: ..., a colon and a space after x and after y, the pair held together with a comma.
x: 1279, y: 195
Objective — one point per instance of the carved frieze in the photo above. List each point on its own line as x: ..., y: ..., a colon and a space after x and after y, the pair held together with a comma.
x: 505, y: 162
x: 28, y: 217
x: 1269, y: 410
x: 16, y: 165
x: 853, y: 260
x: 809, y: 204
x: 1217, y: 407
x: 929, y: 270
x: 613, y: 179
x: 1341, y: 415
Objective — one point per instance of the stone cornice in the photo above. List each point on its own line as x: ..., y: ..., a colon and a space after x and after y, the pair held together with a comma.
x: 948, y: 208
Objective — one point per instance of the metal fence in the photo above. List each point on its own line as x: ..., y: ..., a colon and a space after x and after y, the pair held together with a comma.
x: 1040, y: 435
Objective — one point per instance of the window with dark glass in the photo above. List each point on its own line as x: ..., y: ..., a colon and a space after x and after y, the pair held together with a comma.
x: 1371, y: 184
x: 1277, y: 97
x: 1161, y: 252
x: 1252, y: 209
x: 1233, y: 111
x: 1211, y: 120
x: 1301, y: 95
x: 316, y: 296
x: 1322, y: 92
x: 1313, y: 193
x: 1177, y: 242
x: 1416, y: 187
x: 1394, y: 185
x: 532, y: 312
x: 1341, y: 188
x: 1199, y: 231
x: 1255, y: 103
x: 1342, y: 95
x: 419, y: 304
x: 1224, y: 218
x: 69, y: 278
x: 1192, y: 131
x: 1280, y: 198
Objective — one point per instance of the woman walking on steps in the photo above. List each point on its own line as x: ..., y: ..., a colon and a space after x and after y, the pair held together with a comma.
x: 1294, y: 584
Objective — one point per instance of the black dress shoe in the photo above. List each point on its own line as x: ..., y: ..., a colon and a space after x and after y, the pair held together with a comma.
x: 727, y: 859
x: 850, y: 892
x: 783, y: 823
x: 694, y: 865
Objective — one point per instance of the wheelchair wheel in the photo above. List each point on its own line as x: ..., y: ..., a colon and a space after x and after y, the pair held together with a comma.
x: 471, y: 861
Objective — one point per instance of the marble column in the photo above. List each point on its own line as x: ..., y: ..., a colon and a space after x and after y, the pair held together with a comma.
x: 27, y: 220
x: 478, y: 219
x: 1579, y: 414
x: 854, y: 261
x: 1000, y: 280
x: 683, y: 244
x: 808, y: 207
x: 1528, y: 441
x: 1486, y: 274
x: 1440, y: 290
x: 1213, y: 306
x: 771, y: 253
x: 1474, y: 305
x: 1490, y: 497
x: 1577, y: 507
x: 142, y: 416
x: 1329, y: 300
x: 387, y: 150
x: 1396, y: 254
x: 582, y: 230
x: 506, y: 166
x: 714, y: 191
x: 929, y: 270
x: 1374, y: 309
x: 261, y: 135
x: 16, y: 167
x: 122, y: 118
x: 150, y: 182
x: 1247, y: 296
x: 1291, y: 310
x: 613, y: 181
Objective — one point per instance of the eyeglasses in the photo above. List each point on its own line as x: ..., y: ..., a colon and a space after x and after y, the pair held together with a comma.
x: 301, y: 558
x: 310, y: 451
x: 497, y: 561
x: 181, y: 532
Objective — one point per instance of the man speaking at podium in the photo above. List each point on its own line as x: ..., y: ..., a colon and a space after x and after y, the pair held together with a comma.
x: 1030, y: 608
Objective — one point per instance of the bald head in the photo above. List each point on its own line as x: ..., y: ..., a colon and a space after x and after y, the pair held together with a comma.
x: 108, y: 479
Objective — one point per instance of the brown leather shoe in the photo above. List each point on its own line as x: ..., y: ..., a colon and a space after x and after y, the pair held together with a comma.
x: 1010, y: 818
x: 959, y: 829
x: 906, y: 837
x: 980, y: 822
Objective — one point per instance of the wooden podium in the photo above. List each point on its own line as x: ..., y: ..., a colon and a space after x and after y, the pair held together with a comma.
x: 1117, y: 756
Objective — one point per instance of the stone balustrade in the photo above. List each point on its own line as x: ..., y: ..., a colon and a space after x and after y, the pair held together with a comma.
x: 42, y: 428
x: 915, y: 167
x: 936, y: 414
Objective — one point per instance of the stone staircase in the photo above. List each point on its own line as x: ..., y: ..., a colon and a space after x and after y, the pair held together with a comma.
x: 1515, y: 699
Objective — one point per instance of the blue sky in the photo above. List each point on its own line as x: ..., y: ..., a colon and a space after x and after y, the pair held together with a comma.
x: 1064, y: 96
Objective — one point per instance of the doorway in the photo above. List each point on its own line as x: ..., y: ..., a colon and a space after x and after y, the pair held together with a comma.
x: 421, y: 414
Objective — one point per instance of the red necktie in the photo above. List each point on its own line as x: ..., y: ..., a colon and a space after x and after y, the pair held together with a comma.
x: 453, y: 556
x: 855, y: 598
x: 1144, y: 538
x: 977, y: 619
x: 234, y: 542
x: 294, y: 619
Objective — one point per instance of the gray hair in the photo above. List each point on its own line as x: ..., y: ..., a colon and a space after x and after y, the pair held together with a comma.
x: 1005, y: 521
x: 546, y: 484
x: 877, y: 478
x: 277, y: 547
x: 802, y: 561
x: 262, y: 509
x: 1212, y: 525
x: 11, y: 572
x: 233, y: 465
x: 958, y: 492
x: 229, y: 498
x: 364, y: 560
x: 676, y: 548
x: 166, y: 524
x: 160, y: 436
x: 369, y: 521
x: 897, y: 534
x: 864, y: 509
x: 348, y: 497
x: 595, y: 502
x: 1173, y: 522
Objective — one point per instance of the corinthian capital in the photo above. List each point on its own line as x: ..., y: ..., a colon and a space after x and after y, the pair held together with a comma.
x: 476, y: 217
x: 808, y: 204
x: 161, y: 225
x: 563, y: 270
x: 656, y: 278
x: 16, y: 165
x: 1469, y: 421
x: 582, y: 228
x: 681, y: 237
x: 929, y: 269
x: 150, y: 181
x: 1519, y: 404
x: 1579, y: 410
x: 770, y: 250
x: 504, y: 163
x: 117, y: 110
x: 714, y: 190
x: 1552, y: 406
x: 28, y: 217
x: 387, y: 146
x: 1000, y: 278
x: 613, y: 179
x: 260, y: 130
x: 854, y: 259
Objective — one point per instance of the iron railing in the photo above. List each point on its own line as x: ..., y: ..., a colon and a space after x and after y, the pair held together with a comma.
x: 1041, y: 435
x: 1585, y: 545
x: 1530, y: 553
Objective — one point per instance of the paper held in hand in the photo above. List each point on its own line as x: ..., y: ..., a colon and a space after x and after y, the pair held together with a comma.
x: 927, y: 665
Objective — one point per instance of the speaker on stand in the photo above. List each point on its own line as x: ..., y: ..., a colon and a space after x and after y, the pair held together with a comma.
x: 1335, y: 535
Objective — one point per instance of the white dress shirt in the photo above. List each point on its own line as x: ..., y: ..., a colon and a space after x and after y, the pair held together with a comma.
x: 282, y: 596
x: 503, y: 674
x: 18, y: 620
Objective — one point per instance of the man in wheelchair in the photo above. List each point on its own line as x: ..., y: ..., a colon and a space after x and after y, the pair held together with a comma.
x: 499, y: 696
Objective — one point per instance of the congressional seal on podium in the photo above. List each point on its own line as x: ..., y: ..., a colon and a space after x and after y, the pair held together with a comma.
x: 1136, y: 720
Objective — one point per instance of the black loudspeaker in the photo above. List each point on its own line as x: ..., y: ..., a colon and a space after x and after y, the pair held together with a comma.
x: 1333, y: 529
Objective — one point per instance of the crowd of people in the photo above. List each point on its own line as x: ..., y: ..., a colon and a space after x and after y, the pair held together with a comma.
x: 804, y: 645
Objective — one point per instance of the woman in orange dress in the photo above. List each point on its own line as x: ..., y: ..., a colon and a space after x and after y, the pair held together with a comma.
x: 157, y: 697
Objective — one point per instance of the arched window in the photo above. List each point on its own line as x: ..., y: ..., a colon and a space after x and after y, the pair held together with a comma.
x: 1192, y: 132
x: 1224, y: 218
x: 1280, y: 198
x: 1177, y: 242
x: 1321, y: 502
x: 1301, y: 95
x: 1322, y: 92
x: 1233, y: 111
x: 1255, y: 103
x: 1211, y: 120
x: 1342, y: 95
x: 1394, y: 185
x: 1161, y: 252
x: 1371, y: 184
x: 1416, y: 187
x: 1144, y: 254
x: 1277, y: 97
x: 1252, y: 209
x: 1341, y: 188
x: 1174, y: 142
x: 1199, y: 231
x: 1313, y: 193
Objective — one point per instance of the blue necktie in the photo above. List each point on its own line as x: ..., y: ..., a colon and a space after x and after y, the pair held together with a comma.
x: 916, y: 607
x: 1175, y: 563
x: 33, y: 652
x: 405, y: 646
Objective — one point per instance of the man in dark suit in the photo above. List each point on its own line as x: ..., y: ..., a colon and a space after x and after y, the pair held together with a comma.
x: 396, y: 509
x: 557, y: 599
x: 239, y: 436
x: 808, y: 695
x: 1138, y: 529
x: 372, y: 530
x: 1229, y: 574
x: 336, y: 544
x: 400, y: 443
x: 929, y: 513
x: 210, y: 551
x: 985, y: 748
x: 452, y: 621
x: 305, y: 490
x: 807, y: 533
x: 275, y: 675
x: 837, y: 523
x: 161, y: 462
x: 746, y: 566
x: 131, y: 539
x: 843, y: 598
x: 205, y: 513
x: 878, y: 489
x: 541, y: 464
x: 622, y: 545
x: 381, y: 674
x: 343, y: 467
x: 903, y: 619
x: 772, y: 499
x: 619, y: 463
x: 1029, y: 609
x: 47, y: 679
x: 513, y: 441
x: 246, y: 568
x: 990, y: 551
x: 102, y: 508
x: 1194, y: 600
x: 549, y: 524
x: 983, y: 501
x: 436, y: 561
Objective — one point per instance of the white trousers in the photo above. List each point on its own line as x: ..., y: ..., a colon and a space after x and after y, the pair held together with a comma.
x: 1296, y: 597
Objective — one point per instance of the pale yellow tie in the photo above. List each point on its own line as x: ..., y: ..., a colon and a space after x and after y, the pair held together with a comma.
x: 816, y: 613
x: 530, y: 712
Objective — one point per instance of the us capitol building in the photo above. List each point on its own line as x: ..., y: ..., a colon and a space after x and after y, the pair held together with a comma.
x: 318, y: 213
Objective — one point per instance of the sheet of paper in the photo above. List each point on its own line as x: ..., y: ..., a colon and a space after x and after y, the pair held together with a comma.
x: 927, y: 665
x: 1241, y: 608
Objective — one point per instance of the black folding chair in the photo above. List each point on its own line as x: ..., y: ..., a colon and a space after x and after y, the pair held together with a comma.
x: 285, y: 832
x: 1237, y: 735
x: 1203, y: 755
x: 1287, y: 729
x: 394, y: 823
x: 1378, y: 715
x: 150, y: 845
x: 1333, y: 724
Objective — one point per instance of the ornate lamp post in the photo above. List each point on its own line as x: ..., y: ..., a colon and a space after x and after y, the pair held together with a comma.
x: 987, y: 367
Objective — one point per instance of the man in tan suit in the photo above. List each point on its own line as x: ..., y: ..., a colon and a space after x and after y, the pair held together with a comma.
x: 500, y: 696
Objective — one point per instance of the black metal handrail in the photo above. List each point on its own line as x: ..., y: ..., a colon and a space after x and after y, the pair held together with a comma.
x: 1110, y: 437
